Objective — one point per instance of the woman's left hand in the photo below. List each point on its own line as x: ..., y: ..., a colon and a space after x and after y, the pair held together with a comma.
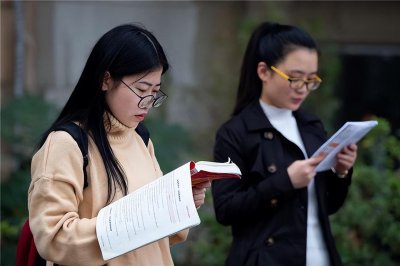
x: 346, y: 158
x: 199, y: 193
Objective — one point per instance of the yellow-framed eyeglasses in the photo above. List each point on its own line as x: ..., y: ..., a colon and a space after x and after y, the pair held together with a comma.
x: 298, y: 83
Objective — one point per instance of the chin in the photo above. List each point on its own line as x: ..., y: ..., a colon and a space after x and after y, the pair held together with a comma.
x: 131, y: 124
x: 294, y: 108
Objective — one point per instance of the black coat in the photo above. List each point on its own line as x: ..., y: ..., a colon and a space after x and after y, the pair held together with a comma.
x: 267, y: 215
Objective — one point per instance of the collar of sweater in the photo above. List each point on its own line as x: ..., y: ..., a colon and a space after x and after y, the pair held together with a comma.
x: 116, y: 131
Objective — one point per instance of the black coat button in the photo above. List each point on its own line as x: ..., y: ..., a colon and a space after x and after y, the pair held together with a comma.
x: 268, y: 135
x: 274, y: 202
x: 272, y: 168
x: 270, y: 241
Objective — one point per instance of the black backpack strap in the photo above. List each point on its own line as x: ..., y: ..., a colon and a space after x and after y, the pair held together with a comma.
x: 143, y: 132
x: 81, y: 139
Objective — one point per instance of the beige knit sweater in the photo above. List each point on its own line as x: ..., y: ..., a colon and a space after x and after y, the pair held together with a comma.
x: 63, y: 216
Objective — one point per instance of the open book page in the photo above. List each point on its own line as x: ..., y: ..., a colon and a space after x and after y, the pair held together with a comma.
x: 204, y: 170
x: 349, y: 133
x: 154, y: 211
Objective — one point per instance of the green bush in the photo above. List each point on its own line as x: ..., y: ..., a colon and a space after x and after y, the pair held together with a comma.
x: 23, y: 120
x: 172, y: 143
x: 367, y: 228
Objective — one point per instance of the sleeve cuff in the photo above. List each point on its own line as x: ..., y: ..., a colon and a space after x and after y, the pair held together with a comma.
x: 340, y: 175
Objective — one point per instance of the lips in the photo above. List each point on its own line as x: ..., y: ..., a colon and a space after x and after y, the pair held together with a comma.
x: 297, y: 100
x: 141, y: 116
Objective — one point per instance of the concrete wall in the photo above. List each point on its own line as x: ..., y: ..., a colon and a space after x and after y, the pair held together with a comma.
x: 67, y: 40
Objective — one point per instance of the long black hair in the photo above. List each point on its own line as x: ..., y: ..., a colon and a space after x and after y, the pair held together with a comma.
x: 124, y: 50
x: 269, y: 43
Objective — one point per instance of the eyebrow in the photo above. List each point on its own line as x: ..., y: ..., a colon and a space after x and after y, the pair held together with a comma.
x: 149, y: 84
x: 302, y: 72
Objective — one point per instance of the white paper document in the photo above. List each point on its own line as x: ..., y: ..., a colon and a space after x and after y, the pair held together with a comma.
x: 350, y: 132
x: 154, y: 211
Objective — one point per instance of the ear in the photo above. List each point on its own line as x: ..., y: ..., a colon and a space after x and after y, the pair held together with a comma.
x: 263, y: 71
x: 107, y: 81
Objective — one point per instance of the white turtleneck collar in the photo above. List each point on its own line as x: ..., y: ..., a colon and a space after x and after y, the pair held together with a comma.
x: 275, y: 113
x: 282, y: 119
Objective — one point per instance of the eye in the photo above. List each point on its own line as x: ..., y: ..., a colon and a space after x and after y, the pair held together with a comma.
x: 313, y: 78
x: 141, y: 89
x: 295, y: 75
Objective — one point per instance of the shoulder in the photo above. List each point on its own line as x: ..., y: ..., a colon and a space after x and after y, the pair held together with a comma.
x: 58, y: 148
x: 61, y: 140
x: 234, y: 131
x: 304, y: 118
x: 234, y: 125
x: 311, y: 123
x: 59, y: 159
x: 251, y: 119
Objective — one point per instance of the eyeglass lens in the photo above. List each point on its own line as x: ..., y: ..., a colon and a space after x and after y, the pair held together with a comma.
x: 299, y: 83
x: 150, y: 100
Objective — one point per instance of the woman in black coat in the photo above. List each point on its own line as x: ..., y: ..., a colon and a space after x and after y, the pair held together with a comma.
x: 279, y: 210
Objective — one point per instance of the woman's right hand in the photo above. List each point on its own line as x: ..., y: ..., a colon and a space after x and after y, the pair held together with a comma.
x: 301, y: 172
x: 199, y: 193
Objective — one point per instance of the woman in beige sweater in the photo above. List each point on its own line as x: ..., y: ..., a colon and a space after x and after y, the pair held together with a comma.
x: 118, y: 86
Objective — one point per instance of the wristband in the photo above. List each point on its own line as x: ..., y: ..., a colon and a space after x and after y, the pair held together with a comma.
x: 340, y: 175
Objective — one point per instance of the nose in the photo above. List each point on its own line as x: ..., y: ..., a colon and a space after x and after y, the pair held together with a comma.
x: 302, y: 89
x: 146, y: 106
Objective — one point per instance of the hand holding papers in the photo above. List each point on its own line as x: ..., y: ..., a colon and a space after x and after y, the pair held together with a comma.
x: 156, y: 210
x: 350, y: 132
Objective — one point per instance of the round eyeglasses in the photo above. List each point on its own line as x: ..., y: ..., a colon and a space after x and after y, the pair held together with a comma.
x: 149, y: 100
x: 298, y: 83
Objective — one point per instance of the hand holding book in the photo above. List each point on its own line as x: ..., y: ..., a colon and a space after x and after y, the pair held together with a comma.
x: 199, y: 193
x: 158, y: 209
x: 345, y: 160
x: 349, y: 133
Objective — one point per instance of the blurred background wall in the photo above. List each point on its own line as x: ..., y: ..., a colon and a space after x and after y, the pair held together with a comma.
x: 45, y: 44
x: 200, y: 39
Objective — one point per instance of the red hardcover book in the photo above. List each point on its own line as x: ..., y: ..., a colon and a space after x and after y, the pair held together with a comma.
x: 203, y: 170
